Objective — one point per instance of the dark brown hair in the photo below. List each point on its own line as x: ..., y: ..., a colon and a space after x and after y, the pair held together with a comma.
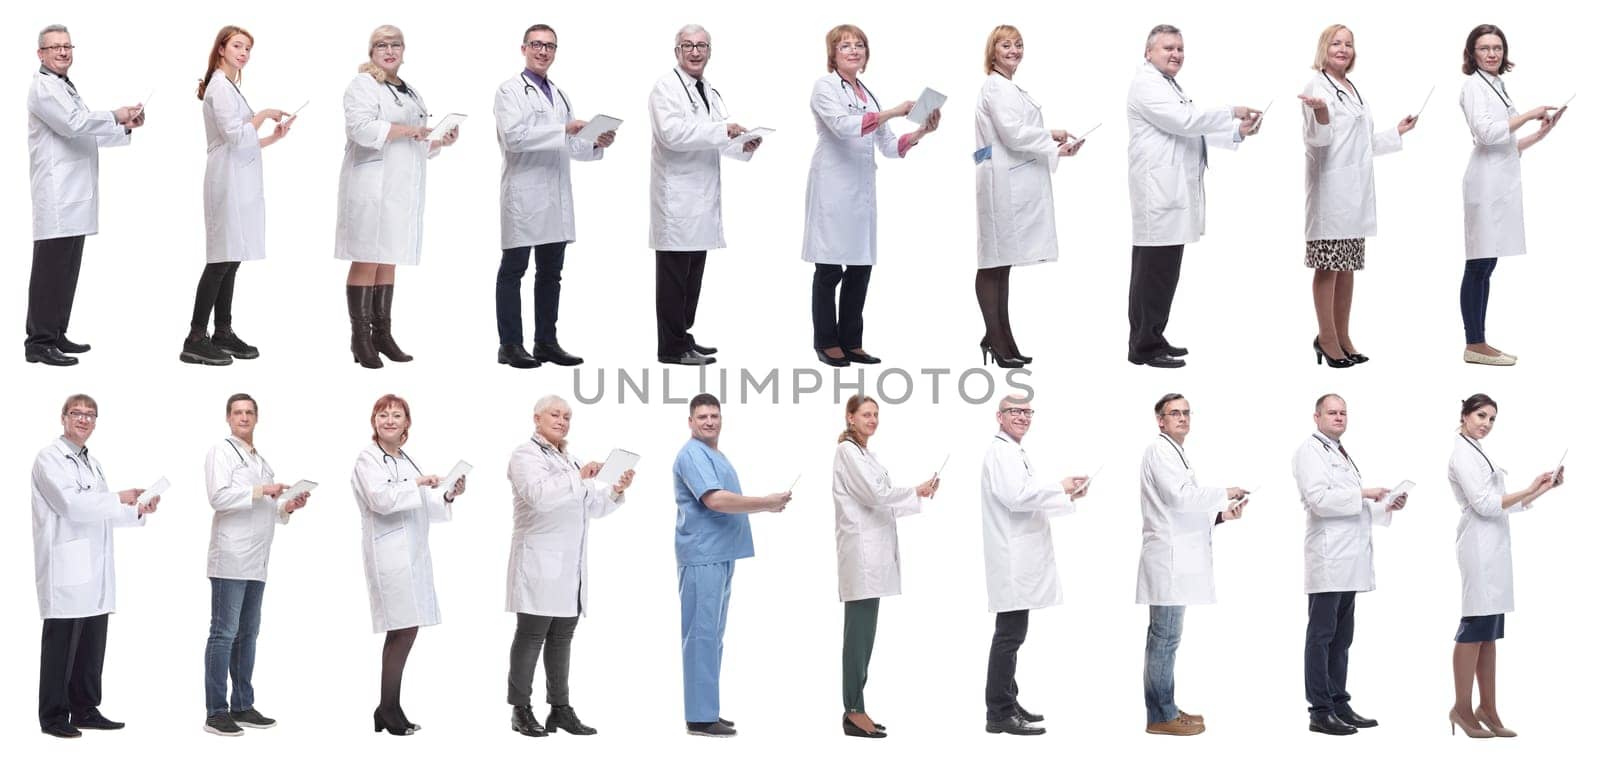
x: 1476, y: 402
x: 1469, y: 63
x: 1161, y: 404
x: 242, y: 397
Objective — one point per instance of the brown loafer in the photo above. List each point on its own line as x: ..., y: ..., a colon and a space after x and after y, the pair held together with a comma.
x: 1178, y: 726
x: 1200, y: 718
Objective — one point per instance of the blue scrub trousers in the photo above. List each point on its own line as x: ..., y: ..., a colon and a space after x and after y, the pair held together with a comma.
x: 703, y: 591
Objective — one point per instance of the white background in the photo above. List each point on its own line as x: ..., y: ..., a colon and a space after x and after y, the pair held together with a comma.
x: 1243, y: 307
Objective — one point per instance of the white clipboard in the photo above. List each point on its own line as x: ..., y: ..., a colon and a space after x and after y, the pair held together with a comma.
x: 617, y: 463
x: 1081, y: 138
x: 1400, y: 490
x: 752, y: 134
x: 1085, y: 486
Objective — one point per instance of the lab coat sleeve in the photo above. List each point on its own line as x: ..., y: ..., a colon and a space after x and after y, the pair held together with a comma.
x: 229, y: 114
x: 1385, y: 141
x: 582, y: 150
x: 536, y: 481
x: 1479, y: 106
x: 889, y: 143
x: 1154, y: 101
x: 1477, y: 484
x: 1178, y: 490
x: 1381, y: 516
x: 517, y: 132
x: 362, y: 122
x: 1020, y: 492
x: 384, y: 496
x: 672, y: 127
x: 833, y: 114
x: 597, y: 500
x: 1313, y: 474
x: 54, y: 106
x: 1227, y: 139
x: 1009, y: 112
x: 225, y: 490
x: 865, y: 483
x: 56, y: 480
x: 1316, y: 135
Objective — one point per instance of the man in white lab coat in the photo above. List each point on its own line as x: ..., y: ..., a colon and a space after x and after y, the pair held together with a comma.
x: 1175, y: 558
x: 690, y: 134
x: 1019, y: 557
x: 539, y: 139
x: 1167, y: 140
x: 1340, y: 514
x: 74, y: 569
x: 243, y: 492
x: 64, y: 139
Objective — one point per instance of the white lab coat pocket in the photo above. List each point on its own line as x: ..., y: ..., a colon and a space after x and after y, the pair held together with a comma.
x: 1165, y: 188
x: 393, y: 551
x: 1191, y: 554
x: 529, y: 200
x: 69, y: 563
x: 74, y: 181
x: 548, y: 563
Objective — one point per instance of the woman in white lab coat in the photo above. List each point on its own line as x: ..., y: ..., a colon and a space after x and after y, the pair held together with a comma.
x: 397, y: 503
x: 1341, y: 200
x: 1016, y: 208
x: 236, y: 219
x: 547, y: 578
x: 842, y: 194
x: 1491, y: 190
x: 386, y: 152
x: 866, y: 506
x: 1483, y: 551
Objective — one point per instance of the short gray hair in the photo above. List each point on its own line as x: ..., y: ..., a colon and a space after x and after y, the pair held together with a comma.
x: 52, y: 29
x: 691, y: 29
x: 549, y: 401
x: 1159, y: 30
x: 1015, y: 397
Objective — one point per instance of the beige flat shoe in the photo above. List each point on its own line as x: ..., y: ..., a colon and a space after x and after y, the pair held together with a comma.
x: 1478, y: 358
x: 1499, y: 730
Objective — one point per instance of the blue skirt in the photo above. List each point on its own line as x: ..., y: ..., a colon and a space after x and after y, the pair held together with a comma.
x: 1479, y: 629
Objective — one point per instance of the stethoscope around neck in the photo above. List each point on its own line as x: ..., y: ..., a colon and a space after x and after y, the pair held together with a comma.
x: 411, y: 92
x: 394, y: 469
x: 1339, y: 91
x: 78, y: 469
x: 852, y: 100
x: 694, y: 103
x: 529, y: 87
x: 1479, y: 448
x: 1505, y: 98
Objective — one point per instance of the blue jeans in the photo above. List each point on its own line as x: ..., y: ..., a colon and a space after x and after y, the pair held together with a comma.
x: 703, y: 591
x: 231, y: 647
x: 1160, y: 654
x: 1475, y: 297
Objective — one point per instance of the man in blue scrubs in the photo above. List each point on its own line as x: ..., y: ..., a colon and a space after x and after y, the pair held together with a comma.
x: 713, y: 531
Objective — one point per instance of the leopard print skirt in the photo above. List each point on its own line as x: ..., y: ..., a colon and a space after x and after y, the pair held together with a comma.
x: 1343, y: 255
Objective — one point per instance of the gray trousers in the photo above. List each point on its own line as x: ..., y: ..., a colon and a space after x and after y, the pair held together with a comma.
x: 554, y: 636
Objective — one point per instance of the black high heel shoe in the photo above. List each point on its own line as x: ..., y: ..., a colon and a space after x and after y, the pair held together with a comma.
x: 381, y: 723
x: 1004, y: 362
x: 850, y: 729
x: 1355, y: 357
x: 837, y: 362
x: 1333, y: 362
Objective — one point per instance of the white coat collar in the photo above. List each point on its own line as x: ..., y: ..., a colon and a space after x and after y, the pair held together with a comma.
x: 241, y: 444
x: 1004, y: 437
x: 1325, y: 439
x: 71, y: 450
x: 687, y: 78
x: 544, y: 444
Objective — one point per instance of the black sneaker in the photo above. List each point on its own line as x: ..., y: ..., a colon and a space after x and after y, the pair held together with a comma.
x: 222, y: 724
x: 711, y: 730
x: 228, y: 342
x: 92, y: 719
x: 251, y: 718
x: 202, y: 352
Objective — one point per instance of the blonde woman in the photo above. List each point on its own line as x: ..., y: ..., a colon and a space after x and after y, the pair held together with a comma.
x: 386, y: 154
x: 236, y: 218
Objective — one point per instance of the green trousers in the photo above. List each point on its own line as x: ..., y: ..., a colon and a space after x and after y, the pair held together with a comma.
x: 860, y: 629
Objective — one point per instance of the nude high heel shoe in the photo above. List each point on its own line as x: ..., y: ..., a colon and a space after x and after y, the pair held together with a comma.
x: 1472, y: 732
x: 1499, y: 730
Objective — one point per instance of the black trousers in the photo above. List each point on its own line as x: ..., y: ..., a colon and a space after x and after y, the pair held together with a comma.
x: 678, y: 277
x: 1151, y: 285
x: 1330, y: 628
x: 554, y: 636
x: 1000, y: 693
x: 72, y: 653
x: 839, y: 326
x: 214, y: 294
x: 52, y: 284
x: 548, y: 259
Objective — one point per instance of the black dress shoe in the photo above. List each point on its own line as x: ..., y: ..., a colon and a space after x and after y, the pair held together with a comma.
x: 1325, y: 722
x: 726, y: 721
x: 1349, y: 717
x: 856, y: 355
x: 517, y: 357
x: 60, y: 730
x: 837, y: 362
x: 690, y: 357
x: 523, y: 721
x: 553, y: 353
x: 1029, y: 716
x: 1177, y: 351
x: 1159, y: 361
x: 852, y: 730
x: 563, y: 718
x: 711, y: 729
x: 48, y: 354
x: 92, y: 719
x: 705, y: 350
x: 70, y: 347
x: 1014, y: 725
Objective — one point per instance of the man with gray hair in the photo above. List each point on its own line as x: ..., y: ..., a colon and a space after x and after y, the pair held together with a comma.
x: 64, y: 139
x: 690, y: 133
x: 1167, y: 139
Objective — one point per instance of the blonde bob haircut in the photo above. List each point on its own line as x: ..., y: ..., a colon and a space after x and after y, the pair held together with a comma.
x: 385, y: 32
x: 1320, y: 62
x: 1002, y: 32
x: 837, y: 34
